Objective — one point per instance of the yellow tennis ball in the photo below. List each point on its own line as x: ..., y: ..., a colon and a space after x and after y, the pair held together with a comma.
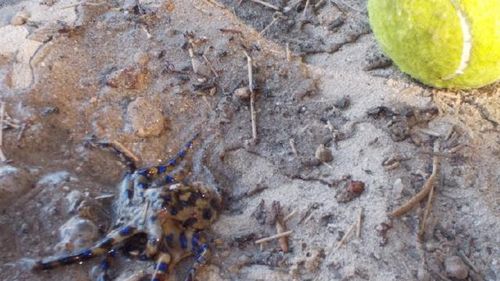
x: 442, y: 43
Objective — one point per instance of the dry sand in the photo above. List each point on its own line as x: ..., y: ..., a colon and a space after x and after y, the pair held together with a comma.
x: 121, y: 70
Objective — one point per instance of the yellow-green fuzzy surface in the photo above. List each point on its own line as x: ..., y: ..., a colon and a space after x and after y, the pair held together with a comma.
x: 425, y: 39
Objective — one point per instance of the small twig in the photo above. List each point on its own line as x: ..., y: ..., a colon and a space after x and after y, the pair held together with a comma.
x: 214, y: 4
x: 430, y: 132
x: 307, y: 214
x: 253, y: 114
x: 268, y: 26
x: 426, y: 189
x: 280, y: 225
x: 233, y: 31
x: 294, y: 149
x: 2, y: 113
x: 148, y: 35
x: 319, y: 3
x: 266, y: 4
x: 21, y: 131
x: 145, y: 213
x: 210, y: 66
x: 430, y: 199
x: 468, y: 262
x: 360, y: 220
x: 104, y: 196
x: 84, y: 4
x: 427, y: 211
x: 346, y: 236
x: 287, y: 52
x: 125, y: 150
x: 289, y: 216
x: 191, y: 56
x: 276, y: 236
x: 456, y: 148
x: 2, y: 118
x: 305, y: 8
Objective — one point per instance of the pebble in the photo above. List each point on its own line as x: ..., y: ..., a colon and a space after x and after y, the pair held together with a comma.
x: 14, y: 182
x: 456, y: 268
x: 397, y: 188
x: 142, y: 59
x: 200, y: 68
x: 323, y: 154
x: 20, y: 18
x: 146, y: 118
x: 74, y: 198
x: 77, y: 233
x: 342, y: 103
x: 53, y: 180
x: 242, y: 93
x: 353, y: 190
x: 356, y: 187
x: 127, y: 78
x: 314, y: 260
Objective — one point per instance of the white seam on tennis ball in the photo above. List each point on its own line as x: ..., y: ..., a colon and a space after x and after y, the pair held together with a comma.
x: 467, y: 41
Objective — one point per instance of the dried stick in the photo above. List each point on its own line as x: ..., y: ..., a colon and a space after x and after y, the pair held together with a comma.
x: 426, y: 189
x: 83, y: 3
x: 294, y: 149
x: 346, y: 236
x: 427, y: 211
x: 266, y: 4
x: 253, y: 114
x: 2, y: 118
x: 2, y: 114
x: 287, y: 52
x: 268, y: 26
x: 468, y: 261
x: 276, y: 236
x: 360, y: 220
x: 119, y: 146
x: 289, y: 216
x: 305, y: 8
x: 210, y: 66
x: 280, y: 225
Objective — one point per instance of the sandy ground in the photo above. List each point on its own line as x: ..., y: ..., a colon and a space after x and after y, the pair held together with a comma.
x: 150, y: 74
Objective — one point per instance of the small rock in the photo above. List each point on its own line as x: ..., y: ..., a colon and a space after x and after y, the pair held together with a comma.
x: 200, y: 68
x: 53, y: 180
x: 399, y: 129
x: 356, y: 187
x: 14, y: 182
x: 423, y: 275
x: 353, y: 190
x: 242, y: 93
x: 323, y: 154
x: 456, y: 268
x: 92, y: 210
x: 74, y: 198
x: 342, y: 103
x: 260, y: 213
x: 77, y: 233
x: 142, y: 59
x: 397, y: 188
x: 146, y: 118
x: 314, y: 260
x: 380, y: 112
x: 20, y: 18
x: 127, y: 78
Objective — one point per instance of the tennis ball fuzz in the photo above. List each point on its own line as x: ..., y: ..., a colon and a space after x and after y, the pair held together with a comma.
x: 442, y: 43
